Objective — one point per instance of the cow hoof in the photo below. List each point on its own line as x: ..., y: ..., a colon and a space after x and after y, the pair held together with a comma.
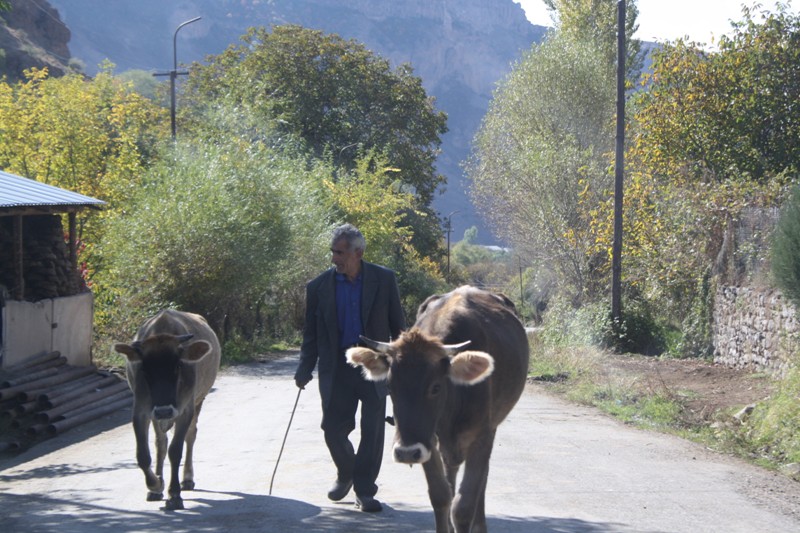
x: 174, y: 504
x: 187, y: 485
x: 155, y: 496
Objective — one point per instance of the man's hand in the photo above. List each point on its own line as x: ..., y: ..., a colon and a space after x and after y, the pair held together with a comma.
x: 301, y: 382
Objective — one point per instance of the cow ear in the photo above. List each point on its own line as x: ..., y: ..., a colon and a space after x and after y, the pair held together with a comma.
x: 470, y: 367
x: 128, y: 351
x: 195, y: 351
x: 375, y: 365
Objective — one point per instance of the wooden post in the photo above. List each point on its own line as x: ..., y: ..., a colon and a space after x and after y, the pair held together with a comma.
x: 619, y: 168
x: 19, y: 282
x: 73, y: 244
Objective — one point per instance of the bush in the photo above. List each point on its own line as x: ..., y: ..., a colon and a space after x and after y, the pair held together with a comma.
x: 775, y: 423
x: 219, y: 231
x: 786, y: 249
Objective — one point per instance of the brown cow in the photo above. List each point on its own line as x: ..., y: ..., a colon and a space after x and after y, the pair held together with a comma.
x: 172, y: 364
x: 448, y: 401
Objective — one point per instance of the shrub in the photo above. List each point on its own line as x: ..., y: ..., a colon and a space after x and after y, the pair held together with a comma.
x: 786, y: 249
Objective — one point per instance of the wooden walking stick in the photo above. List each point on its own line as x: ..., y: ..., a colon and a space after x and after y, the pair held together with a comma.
x: 284, y: 440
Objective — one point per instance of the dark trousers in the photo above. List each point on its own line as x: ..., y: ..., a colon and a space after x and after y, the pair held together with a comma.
x: 338, y: 421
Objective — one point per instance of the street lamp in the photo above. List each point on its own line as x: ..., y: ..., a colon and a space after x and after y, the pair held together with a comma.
x: 174, y: 72
x: 449, y: 228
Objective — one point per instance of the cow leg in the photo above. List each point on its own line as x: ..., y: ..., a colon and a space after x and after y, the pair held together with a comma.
x: 439, y: 491
x: 469, y: 504
x: 188, y: 465
x: 160, y: 429
x: 155, y: 486
x: 175, y: 453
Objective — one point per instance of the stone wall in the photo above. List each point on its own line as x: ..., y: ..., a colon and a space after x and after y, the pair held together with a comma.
x: 755, y: 329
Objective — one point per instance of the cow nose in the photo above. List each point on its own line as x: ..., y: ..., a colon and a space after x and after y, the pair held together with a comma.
x: 162, y: 412
x: 414, y: 454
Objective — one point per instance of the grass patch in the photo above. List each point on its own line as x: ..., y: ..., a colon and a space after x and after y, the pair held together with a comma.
x: 578, y: 373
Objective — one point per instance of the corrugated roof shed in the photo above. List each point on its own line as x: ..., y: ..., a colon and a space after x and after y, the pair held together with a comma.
x: 20, y: 195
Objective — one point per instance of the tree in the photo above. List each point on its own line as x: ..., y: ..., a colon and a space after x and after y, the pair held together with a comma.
x: 713, y: 133
x: 372, y: 198
x: 786, y: 249
x: 336, y: 95
x: 725, y: 114
x: 226, y: 230
x: 94, y: 137
x: 596, y: 20
x: 540, y: 156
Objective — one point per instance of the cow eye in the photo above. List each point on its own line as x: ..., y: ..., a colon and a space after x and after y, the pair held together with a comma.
x: 434, y: 390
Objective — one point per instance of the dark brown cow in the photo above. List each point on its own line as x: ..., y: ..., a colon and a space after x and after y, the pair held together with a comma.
x: 172, y: 364
x: 448, y: 401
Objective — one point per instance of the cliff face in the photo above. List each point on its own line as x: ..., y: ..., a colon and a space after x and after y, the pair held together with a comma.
x: 32, y: 35
x: 460, y: 49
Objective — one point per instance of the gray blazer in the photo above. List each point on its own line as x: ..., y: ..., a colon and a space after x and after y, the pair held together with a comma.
x: 382, y: 319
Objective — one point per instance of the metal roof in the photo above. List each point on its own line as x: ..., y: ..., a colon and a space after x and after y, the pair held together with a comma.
x: 18, y: 194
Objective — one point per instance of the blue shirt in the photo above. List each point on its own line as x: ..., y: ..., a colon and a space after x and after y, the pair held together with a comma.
x: 348, y: 309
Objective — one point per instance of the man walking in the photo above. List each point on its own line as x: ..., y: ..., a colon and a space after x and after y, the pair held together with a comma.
x: 354, y: 298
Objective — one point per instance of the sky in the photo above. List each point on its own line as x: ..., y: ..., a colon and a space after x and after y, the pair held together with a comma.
x: 702, y: 21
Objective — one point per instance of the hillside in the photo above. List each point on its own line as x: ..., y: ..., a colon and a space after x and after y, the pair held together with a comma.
x: 459, y: 49
x: 32, y: 35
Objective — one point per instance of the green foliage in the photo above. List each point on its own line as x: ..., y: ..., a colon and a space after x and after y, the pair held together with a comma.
x: 640, y: 331
x: 540, y: 161
x: 597, y: 20
x: 141, y: 82
x: 94, y: 137
x: 712, y: 138
x: 697, y: 338
x: 731, y: 113
x: 223, y: 231
x: 774, y: 425
x: 786, y: 249
x: 566, y: 325
x: 372, y: 198
x: 334, y: 94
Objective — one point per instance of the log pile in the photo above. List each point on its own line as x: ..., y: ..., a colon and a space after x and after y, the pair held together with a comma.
x: 45, y: 397
x: 48, y: 272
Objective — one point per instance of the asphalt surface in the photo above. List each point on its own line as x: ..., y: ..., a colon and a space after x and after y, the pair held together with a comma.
x: 556, y: 467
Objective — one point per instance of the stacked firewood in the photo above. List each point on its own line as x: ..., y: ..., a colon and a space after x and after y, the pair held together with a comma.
x: 47, y: 269
x: 45, y: 397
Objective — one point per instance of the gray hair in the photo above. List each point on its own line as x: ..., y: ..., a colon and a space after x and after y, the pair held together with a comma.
x: 348, y: 232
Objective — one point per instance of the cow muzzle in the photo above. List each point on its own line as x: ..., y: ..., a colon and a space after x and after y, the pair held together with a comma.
x: 414, y: 454
x: 164, y: 412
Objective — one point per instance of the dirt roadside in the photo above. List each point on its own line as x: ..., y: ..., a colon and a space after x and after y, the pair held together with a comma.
x: 702, y: 387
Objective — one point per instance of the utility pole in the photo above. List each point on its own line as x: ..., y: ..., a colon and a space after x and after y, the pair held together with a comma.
x: 174, y: 73
x: 619, y: 167
x: 449, y: 228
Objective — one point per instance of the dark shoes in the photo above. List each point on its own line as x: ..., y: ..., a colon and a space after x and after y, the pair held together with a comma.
x: 368, y: 504
x: 339, y: 490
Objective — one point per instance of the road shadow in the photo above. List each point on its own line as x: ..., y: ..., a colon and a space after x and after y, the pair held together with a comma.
x: 209, y: 511
x: 279, y: 365
x: 75, y: 435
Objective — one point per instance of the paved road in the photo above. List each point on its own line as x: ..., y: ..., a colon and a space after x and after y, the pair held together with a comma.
x: 555, y: 468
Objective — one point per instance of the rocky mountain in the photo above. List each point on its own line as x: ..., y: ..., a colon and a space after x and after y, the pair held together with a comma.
x: 32, y: 35
x: 459, y: 48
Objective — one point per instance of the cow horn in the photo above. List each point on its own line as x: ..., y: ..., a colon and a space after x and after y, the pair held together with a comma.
x: 184, y: 338
x: 452, y: 349
x: 380, y: 347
